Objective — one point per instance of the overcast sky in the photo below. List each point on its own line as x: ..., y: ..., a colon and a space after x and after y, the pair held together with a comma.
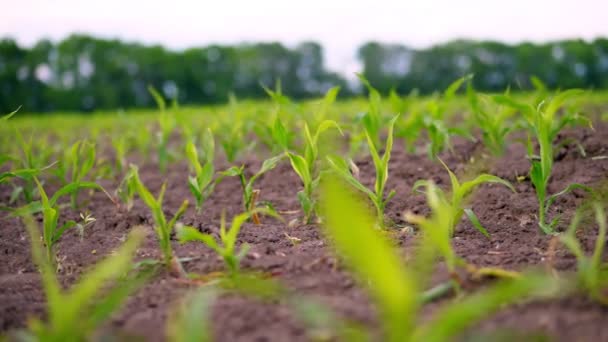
x: 340, y: 25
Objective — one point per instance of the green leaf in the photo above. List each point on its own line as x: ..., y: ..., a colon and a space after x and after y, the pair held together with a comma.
x: 10, y: 115
x: 192, y: 156
x: 475, y: 221
x: 456, y: 317
x: 467, y: 187
x: 279, y: 133
x: 340, y: 166
x: 569, y: 188
x: 233, y: 171
x: 59, y: 232
x: 190, y: 234
x: 301, y: 167
x: 72, y: 188
x: 270, y: 164
x: 453, y: 88
x: 160, y: 101
x: 350, y: 227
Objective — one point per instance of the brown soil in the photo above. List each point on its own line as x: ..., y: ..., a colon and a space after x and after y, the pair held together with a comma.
x: 309, y: 267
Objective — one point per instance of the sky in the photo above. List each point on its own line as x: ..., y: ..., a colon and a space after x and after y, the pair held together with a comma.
x: 339, y: 25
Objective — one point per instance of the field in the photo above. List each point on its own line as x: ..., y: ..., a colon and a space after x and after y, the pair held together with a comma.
x: 320, y: 220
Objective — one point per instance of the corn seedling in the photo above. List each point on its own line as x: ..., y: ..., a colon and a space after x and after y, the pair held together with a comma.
x: 592, y: 272
x: 250, y: 195
x: 435, y: 123
x: 82, y: 159
x: 439, y: 227
x: 225, y: 246
x: 372, y: 119
x: 306, y: 167
x: 493, y: 121
x: 202, y: 184
x: 341, y: 167
x: 166, y: 122
x: 32, y: 163
x: 120, y: 150
x: 545, y: 124
x: 409, y: 128
x: 281, y: 137
x: 52, y: 231
x: 162, y: 227
x: 396, y: 289
x: 455, y: 204
x: 234, y: 129
x: 75, y: 314
x: 127, y: 188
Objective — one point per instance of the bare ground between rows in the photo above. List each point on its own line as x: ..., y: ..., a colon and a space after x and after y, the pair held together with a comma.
x: 309, y: 267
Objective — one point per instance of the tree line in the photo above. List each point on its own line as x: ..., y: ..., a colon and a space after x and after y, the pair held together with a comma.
x: 84, y: 73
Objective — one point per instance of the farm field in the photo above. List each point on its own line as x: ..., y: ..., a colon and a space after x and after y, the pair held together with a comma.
x: 344, y: 220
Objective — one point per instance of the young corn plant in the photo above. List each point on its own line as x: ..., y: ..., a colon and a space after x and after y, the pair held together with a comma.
x: 52, y: 231
x: 120, y: 150
x: 592, y: 272
x: 31, y: 164
x: 281, y: 137
x: 225, y: 246
x: 455, y: 204
x: 435, y: 123
x: 372, y: 119
x: 232, y: 130
x: 397, y: 289
x: 75, y: 314
x: 166, y: 122
x: 493, y: 121
x: 306, y: 167
x: 544, y: 123
x: 162, y: 227
x: 82, y: 160
x: 342, y: 168
x: 202, y: 183
x: 250, y: 195
x: 127, y: 188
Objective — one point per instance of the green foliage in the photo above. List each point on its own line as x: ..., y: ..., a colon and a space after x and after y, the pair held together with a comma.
x: 202, y: 184
x: 190, y: 321
x: 592, y: 272
x: 80, y: 159
x: 232, y: 137
x: 127, y: 188
x: 74, y: 314
x: 225, y: 246
x: 439, y: 227
x: 52, y: 231
x: 544, y: 123
x: 493, y: 121
x: 120, y: 150
x: 306, y: 168
x: 349, y: 225
x: 162, y: 227
x: 166, y: 123
x: 396, y: 289
x: 5, y: 118
x: 372, y: 119
x: 435, y: 120
x: 341, y: 167
x: 455, y: 204
x: 249, y: 193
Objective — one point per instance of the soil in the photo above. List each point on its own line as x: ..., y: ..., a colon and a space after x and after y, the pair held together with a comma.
x: 309, y: 267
